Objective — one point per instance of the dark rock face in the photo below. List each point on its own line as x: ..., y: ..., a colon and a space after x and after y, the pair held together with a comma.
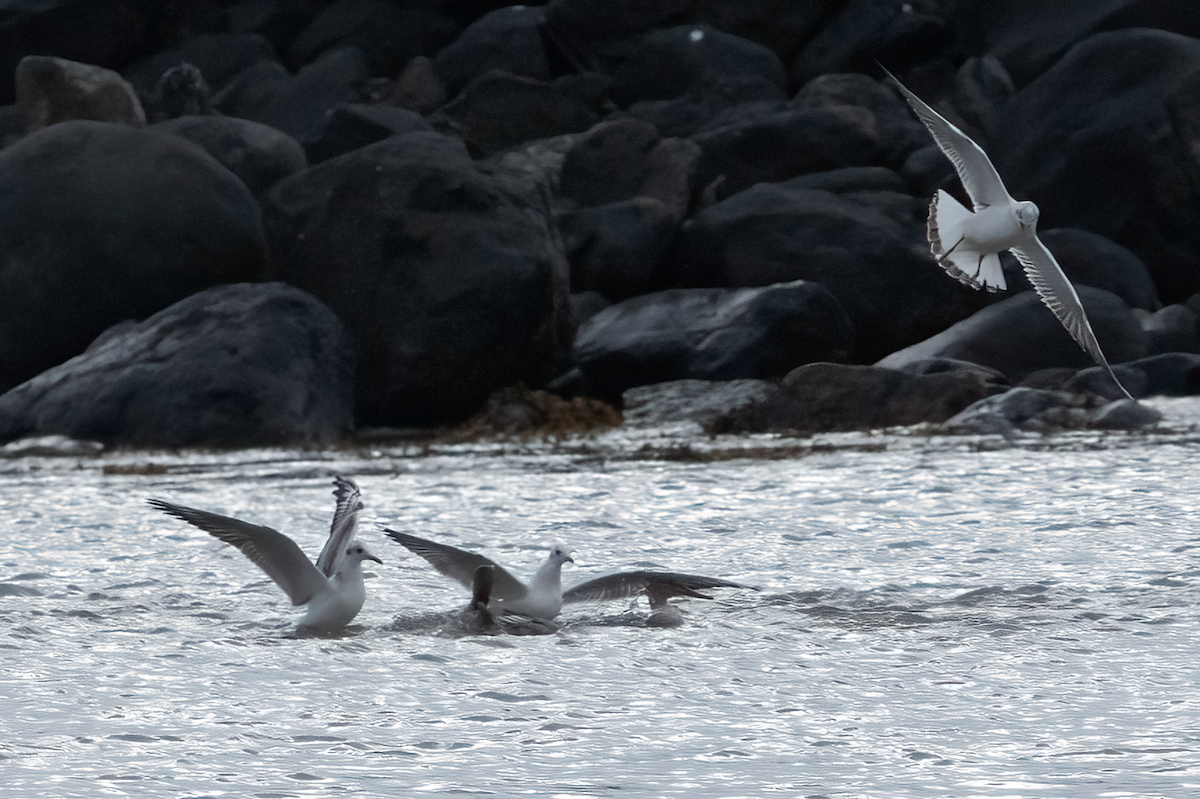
x: 505, y: 40
x: 1092, y: 260
x: 235, y: 365
x: 498, y: 111
x: 623, y: 193
x: 687, y: 58
x: 296, y: 104
x: 865, y: 246
x: 387, y: 34
x: 101, y: 222
x: 51, y: 90
x: 1019, y: 336
x: 719, y: 149
x: 447, y: 273
x: 1124, y: 171
x: 711, y: 334
x: 258, y: 154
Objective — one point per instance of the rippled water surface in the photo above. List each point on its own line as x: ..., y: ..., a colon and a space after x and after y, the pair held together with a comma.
x: 932, y: 621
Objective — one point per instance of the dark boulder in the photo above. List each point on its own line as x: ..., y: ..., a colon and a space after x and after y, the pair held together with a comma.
x: 355, y: 125
x: 219, y: 57
x: 1104, y: 146
x: 258, y: 154
x: 830, y: 397
x: 867, y: 247
x: 860, y: 33
x: 703, y: 402
x: 780, y: 25
x: 754, y: 148
x: 711, y: 334
x: 1092, y: 260
x: 1033, y: 410
x: 593, y: 35
x: 446, y: 271
x: 505, y: 40
x: 623, y: 193
x: 297, y: 104
x: 235, y: 365
x: 389, y: 35
x: 670, y: 62
x: 498, y: 111
x: 1019, y: 335
x: 51, y: 90
x: 101, y: 222
x: 1172, y: 329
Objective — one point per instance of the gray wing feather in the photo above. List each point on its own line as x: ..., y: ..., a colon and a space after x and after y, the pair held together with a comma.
x: 460, y: 565
x: 269, y: 550
x: 974, y: 168
x: 659, y: 586
x: 343, y: 528
x: 1056, y: 291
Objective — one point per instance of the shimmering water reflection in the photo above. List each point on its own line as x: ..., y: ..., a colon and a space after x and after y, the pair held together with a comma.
x: 931, y: 623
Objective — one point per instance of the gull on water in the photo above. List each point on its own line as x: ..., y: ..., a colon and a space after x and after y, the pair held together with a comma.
x: 966, y: 243
x: 543, y: 597
x: 332, y: 589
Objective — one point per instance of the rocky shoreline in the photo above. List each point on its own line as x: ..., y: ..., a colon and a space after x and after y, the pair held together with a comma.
x: 255, y: 223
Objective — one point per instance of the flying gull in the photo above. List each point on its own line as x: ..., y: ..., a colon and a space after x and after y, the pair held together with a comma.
x: 543, y: 597
x: 966, y: 244
x: 333, y: 588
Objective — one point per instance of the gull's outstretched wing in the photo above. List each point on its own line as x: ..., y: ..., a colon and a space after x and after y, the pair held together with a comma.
x: 271, y: 551
x: 1060, y: 296
x: 343, y: 528
x: 974, y: 168
x: 659, y: 586
x: 460, y: 565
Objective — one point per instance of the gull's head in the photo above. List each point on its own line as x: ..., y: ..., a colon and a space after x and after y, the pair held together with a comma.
x: 358, y: 553
x: 559, y: 554
x: 1027, y: 215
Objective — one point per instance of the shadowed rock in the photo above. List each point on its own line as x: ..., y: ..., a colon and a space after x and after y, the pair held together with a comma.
x: 237, y: 365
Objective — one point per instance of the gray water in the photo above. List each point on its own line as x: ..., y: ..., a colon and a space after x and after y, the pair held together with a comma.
x: 936, y: 618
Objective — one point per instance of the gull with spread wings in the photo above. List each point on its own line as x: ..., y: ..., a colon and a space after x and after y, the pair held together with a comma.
x: 332, y: 589
x: 966, y: 243
x: 543, y: 596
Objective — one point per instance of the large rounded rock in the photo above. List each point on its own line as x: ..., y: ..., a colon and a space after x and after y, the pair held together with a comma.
x: 711, y: 334
x: 1104, y: 145
x: 507, y: 39
x: 51, y: 90
x: 447, y: 272
x: 258, y: 154
x: 101, y: 222
x: 235, y: 365
x: 1019, y: 336
x: 867, y: 247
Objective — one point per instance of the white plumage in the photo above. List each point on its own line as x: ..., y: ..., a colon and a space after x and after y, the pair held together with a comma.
x: 966, y: 242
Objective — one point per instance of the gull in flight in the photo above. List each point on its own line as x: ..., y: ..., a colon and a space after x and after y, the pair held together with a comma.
x: 332, y: 588
x: 542, y: 598
x: 966, y: 244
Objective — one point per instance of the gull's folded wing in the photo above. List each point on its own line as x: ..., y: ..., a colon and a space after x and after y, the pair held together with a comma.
x: 343, y: 528
x: 271, y: 551
x: 460, y: 565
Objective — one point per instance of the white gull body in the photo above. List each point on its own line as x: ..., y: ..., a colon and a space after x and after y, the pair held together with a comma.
x: 966, y: 242
x: 543, y: 597
x: 539, y: 598
x: 332, y: 589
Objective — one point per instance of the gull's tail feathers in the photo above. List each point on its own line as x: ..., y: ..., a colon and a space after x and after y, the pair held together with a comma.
x: 947, y: 218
